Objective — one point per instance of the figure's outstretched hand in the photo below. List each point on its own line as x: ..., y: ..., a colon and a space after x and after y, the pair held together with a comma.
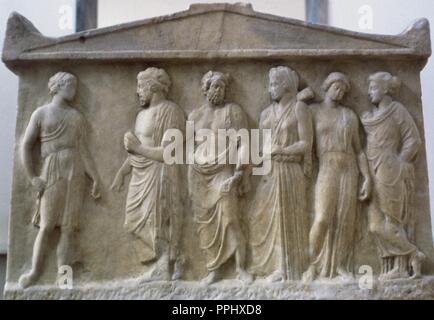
x: 131, y: 143
x: 365, y: 190
x: 96, y: 192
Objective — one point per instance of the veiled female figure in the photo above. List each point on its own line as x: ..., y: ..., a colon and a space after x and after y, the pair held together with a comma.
x: 341, y: 159
x: 393, y: 142
x: 278, y: 220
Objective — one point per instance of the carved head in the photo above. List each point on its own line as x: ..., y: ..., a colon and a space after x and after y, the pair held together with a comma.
x: 336, y: 85
x: 149, y: 82
x: 214, y: 85
x: 63, y: 84
x: 282, y: 80
x: 382, y: 84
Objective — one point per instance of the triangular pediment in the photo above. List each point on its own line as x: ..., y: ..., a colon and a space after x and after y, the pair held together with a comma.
x: 211, y: 30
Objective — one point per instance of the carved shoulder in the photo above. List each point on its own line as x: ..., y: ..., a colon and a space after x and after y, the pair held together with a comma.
x: 77, y: 115
x: 265, y: 114
x: 301, y: 110
x: 401, y: 113
x: 176, y: 109
x: 314, y: 108
x: 177, y: 116
x: 40, y: 112
x: 406, y: 123
x: 35, y: 123
x: 350, y: 114
x: 38, y: 115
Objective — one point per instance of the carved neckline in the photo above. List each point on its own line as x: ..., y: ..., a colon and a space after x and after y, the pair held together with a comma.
x: 278, y: 117
x: 371, y: 118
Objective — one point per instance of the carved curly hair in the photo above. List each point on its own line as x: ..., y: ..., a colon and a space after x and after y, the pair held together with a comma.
x: 59, y: 80
x: 212, y: 76
x: 157, y: 76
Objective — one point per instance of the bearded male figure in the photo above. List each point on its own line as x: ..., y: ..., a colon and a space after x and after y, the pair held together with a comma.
x: 215, y: 184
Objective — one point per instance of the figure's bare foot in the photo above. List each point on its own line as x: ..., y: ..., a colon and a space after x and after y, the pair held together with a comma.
x: 309, y: 275
x: 159, y: 272
x: 27, y: 279
x: 148, y: 276
x: 345, y: 275
x: 210, y: 278
x: 244, y: 276
x: 276, y: 276
x: 155, y: 275
x: 177, y: 272
x: 393, y: 275
x: 416, y: 264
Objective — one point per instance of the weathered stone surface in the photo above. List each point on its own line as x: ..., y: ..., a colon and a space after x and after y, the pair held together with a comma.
x: 422, y: 289
x: 339, y: 196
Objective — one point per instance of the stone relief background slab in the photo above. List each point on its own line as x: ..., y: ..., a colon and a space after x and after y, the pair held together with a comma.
x: 106, y: 70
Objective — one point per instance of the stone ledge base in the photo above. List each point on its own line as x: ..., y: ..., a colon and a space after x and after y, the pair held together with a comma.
x: 229, y: 289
